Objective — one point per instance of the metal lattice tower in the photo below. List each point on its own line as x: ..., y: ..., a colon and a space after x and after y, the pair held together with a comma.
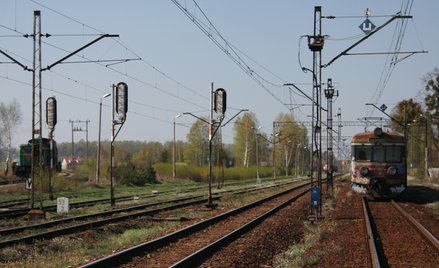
x: 329, y: 94
x: 37, y: 109
x: 315, y: 44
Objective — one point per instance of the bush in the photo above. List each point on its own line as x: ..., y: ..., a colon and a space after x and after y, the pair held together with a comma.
x: 128, y: 174
x: 199, y: 174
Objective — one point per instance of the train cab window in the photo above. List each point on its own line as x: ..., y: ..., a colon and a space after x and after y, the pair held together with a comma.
x: 362, y: 153
x: 394, y: 154
x: 378, y: 154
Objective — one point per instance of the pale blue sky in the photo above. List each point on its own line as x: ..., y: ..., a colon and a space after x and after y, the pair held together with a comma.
x: 179, y: 62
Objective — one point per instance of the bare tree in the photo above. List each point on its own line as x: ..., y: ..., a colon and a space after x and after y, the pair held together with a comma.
x: 10, y: 118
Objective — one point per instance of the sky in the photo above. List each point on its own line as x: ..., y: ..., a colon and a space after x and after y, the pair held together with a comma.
x: 169, y: 64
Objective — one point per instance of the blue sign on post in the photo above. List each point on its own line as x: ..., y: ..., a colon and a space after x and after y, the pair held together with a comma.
x: 367, y: 26
x: 315, y: 197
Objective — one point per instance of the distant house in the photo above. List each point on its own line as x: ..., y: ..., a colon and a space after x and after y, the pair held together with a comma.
x: 71, y: 162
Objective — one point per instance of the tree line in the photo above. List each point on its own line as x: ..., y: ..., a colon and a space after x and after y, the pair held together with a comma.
x: 250, y: 147
x: 286, y: 147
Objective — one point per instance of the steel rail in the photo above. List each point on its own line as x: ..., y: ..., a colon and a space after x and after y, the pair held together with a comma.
x: 19, y: 212
x: 71, y: 229
x: 418, y: 226
x: 370, y: 236
x: 15, y: 213
x: 6, y: 205
x: 203, y: 254
x: 18, y: 229
x: 127, y: 254
x: 94, y: 224
x: 8, y: 231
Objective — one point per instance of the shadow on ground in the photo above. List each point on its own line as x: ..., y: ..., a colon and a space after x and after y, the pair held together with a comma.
x: 419, y: 195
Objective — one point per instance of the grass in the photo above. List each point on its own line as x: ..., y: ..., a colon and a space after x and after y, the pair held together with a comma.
x: 295, y: 256
x: 72, y: 251
x: 67, y: 251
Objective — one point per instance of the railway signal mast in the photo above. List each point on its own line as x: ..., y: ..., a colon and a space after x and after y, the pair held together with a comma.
x: 119, y: 115
x: 37, y: 100
x: 329, y: 94
x: 51, y: 120
x: 315, y: 44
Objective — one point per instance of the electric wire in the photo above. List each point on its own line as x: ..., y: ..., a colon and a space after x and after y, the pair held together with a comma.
x: 84, y: 99
x: 89, y: 87
x: 227, y: 48
x: 129, y: 76
x: 89, y: 60
x: 130, y: 50
x: 391, y: 60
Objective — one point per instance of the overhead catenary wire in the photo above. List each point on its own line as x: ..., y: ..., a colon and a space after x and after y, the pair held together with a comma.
x: 227, y: 48
x: 131, y: 77
x: 87, y: 86
x: 391, y: 59
x: 123, y: 45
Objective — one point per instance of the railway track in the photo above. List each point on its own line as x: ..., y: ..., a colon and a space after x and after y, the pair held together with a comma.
x: 396, y: 238
x: 26, y: 234
x: 190, y: 246
x: 10, y: 212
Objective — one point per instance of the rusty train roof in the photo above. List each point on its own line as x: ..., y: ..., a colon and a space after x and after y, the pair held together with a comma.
x: 368, y: 137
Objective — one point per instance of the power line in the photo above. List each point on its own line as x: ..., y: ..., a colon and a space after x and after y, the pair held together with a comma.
x: 128, y: 49
x: 227, y: 48
x: 391, y: 60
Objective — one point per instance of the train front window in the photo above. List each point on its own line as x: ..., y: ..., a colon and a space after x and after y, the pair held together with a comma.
x: 394, y: 154
x: 362, y: 152
x: 378, y: 154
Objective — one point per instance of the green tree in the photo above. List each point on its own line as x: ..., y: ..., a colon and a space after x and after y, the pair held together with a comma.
x: 10, y: 118
x: 416, y: 131
x: 245, y: 128
x: 432, y: 96
x: 289, y: 138
x: 149, y: 154
x: 196, y: 152
x: 409, y: 107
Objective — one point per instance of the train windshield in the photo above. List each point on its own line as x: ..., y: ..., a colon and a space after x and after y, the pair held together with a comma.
x: 388, y: 154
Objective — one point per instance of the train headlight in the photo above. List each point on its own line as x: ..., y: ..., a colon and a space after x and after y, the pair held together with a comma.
x: 364, y: 171
x: 391, y: 170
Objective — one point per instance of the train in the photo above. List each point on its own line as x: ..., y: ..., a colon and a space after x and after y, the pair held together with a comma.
x: 379, y: 165
x: 22, y: 165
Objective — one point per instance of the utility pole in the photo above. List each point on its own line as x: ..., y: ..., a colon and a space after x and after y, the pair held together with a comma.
x: 274, y: 150
x: 258, y: 179
x: 98, y: 158
x: 37, y: 102
x: 329, y: 94
x: 37, y: 110
x: 315, y: 44
x: 79, y: 129
x: 339, y: 139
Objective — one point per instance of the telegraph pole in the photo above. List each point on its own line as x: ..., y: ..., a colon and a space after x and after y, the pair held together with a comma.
x: 339, y: 138
x: 79, y: 129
